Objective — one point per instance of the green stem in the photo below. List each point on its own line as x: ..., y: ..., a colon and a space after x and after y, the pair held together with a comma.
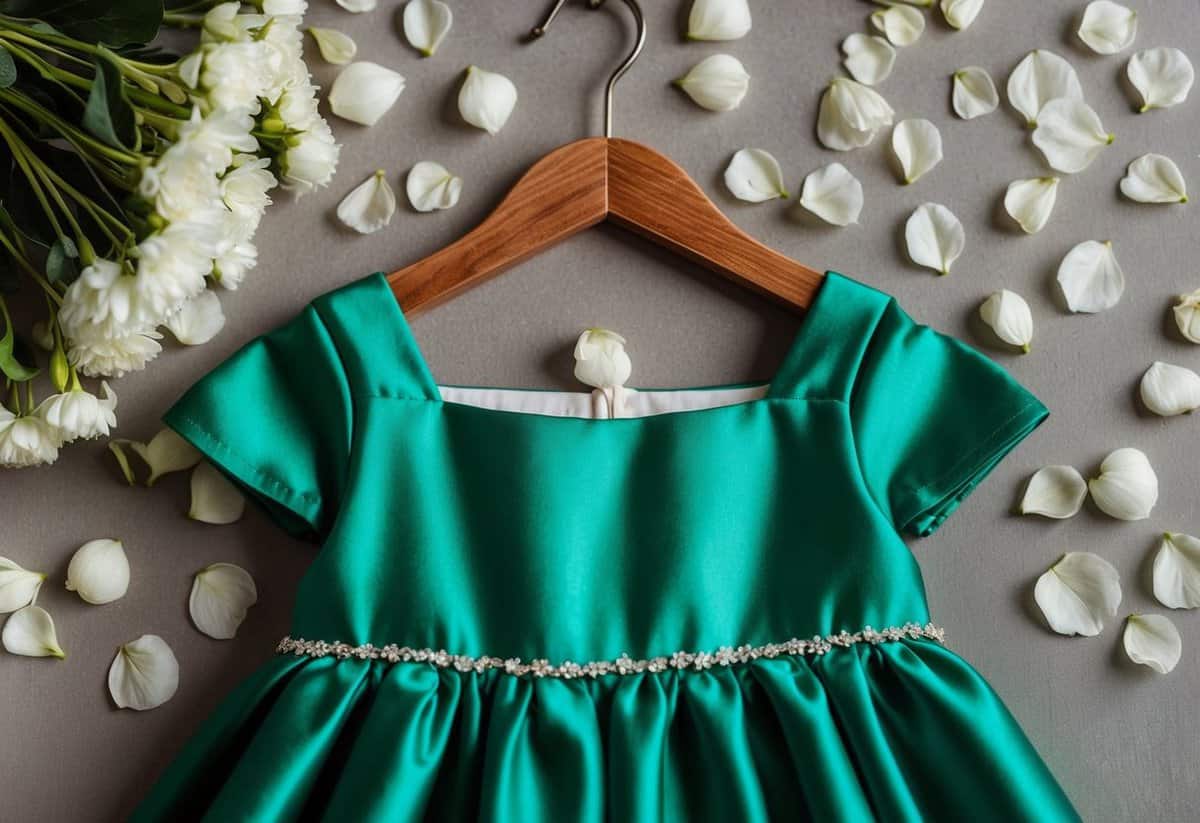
x: 68, y: 130
x: 46, y: 37
x: 36, y: 275
x: 183, y: 21
x: 18, y: 148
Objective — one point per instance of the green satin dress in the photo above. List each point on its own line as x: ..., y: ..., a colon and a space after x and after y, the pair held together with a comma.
x: 707, y: 614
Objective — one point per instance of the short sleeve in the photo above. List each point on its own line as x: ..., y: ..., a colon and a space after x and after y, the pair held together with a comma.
x: 931, y: 418
x: 275, y: 418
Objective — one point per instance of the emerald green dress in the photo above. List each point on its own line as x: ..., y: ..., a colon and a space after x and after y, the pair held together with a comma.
x: 701, y: 614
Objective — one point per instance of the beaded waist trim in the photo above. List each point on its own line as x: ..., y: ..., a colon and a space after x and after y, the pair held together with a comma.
x: 698, y: 661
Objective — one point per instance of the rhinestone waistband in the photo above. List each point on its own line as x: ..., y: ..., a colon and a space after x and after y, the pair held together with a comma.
x: 697, y: 661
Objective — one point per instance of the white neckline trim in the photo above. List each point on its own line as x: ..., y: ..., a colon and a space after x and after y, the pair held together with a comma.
x: 595, y: 404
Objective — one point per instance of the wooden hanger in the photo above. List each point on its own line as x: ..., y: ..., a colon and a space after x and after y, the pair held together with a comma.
x: 587, y: 182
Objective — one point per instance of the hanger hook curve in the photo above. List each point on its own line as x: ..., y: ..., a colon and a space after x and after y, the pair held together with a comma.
x: 638, y: 19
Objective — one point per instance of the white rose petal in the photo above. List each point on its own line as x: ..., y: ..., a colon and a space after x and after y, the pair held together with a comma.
x: 1091, y: 278
x: 426, y: 24
x: 364, y: 91
x: 486, y: 99
x: 1169, y: 390
x: 754, y: 175
x: 432, y: 187
x: 167, y: 452
x: 902, y: 25
x: 1040, y: 77
x: 601, y: 360
x: 369, y: 206
x: 716, y: 83
x: 833, y: 194
x: 974, y: 93
x: 1070, y: 135
x: 917, y: 145
x: 851, y: 114
x: 1162, y: 76
x: 18, y: 586
x: 215, y: 499
x: 99, y: 571
x: 1127, y: 487
x: 1152, y: 640
x: 1008, y: 315
x: 30, y: 632
x: 1177, y: 571
x: 1078, y: 593
x: 961, y: 13
x: 221, y: 595
x: 935, y: 237
x: 1153, y: 178
x: 358, y: 6
x: 198, y: 320
x: 1187, y: 316
x: 336, y: 47
x: 869, y: 59
x: 1054, y: 491
x: 719, y: 20
x: 144, y: 674
x: 1107, y: 27
x: 1031, y: 201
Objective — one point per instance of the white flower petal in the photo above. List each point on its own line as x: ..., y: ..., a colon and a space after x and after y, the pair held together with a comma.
x: 1040, y: 77
x: 1153, y: 178
x: 221, y: 595
x: 833, y: 194
x: 719, y: 20
x: 364, y: 91
x: 1152, y: 640
x: 974, y: 93
x: 1127, y: 487
x: 426, y: 24
x: 166, y: 453
x: 432, y: 187
x: 716, y: 83
x: 917, y: 145
x: 902, y: 25
x: 214, y: 498
x: 1030, y: 202
x: 1054, y: 491
x: 18, y: 586
x: 198, y: 320
x: 1070, y: 135
x: 961, y: 13
x: 144, y: 674
x: 369, y: 206
x: 869, y: 59
x: 851, y: 114
x: 1107, y: 27
x: 1177, y: 571
x: 99, y: 571
x: 1187, y: 316
x: 358, y: 6
x: 30, y: 632
x: 1078, y: 593
x: 1162, y: 76
x: 335, y: 46
x: 754, y: 175
x: 1169, y: 390
x: 601, y: 360
x: 486, y: 99
x: 1091, y: 278
x: 935, y: 237
x: 1008, y: 315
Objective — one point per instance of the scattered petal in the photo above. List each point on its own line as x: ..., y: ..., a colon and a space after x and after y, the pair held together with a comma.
x: 601, y: 360
x: 117, y: 447
x: 486, y: 99
x: 716, y: 83
x: 902, y: 25
x: 221, y: 595
x: 1030, y: 202
x: 1152, y: 640
x: 426, y: 24
x: 166, y: 453
x: 358, y: 6
x: 1169, y: 390
x: 18, y: 586
x: 1070, y: 135
x: 754, y: 175
x: 869, y: 59
x: 30, y: 632
x: 1008, y: 315
x: 1040, y: 77
x: 214, y: 498
x: 1162, y: 76
x: 719, y: 20
x: 1127, y: 487
x: 1054, y: 491
x: 432, y: 187
x: 336, y: 47
x: 1091, y: 278
x: 934, y: 237
x: 961, y: 13
x: 1187, y: 316
x: 1107, y: 27
x: 1078, y: 593
x: 144, y: 674
x: 974, y: 93
x: 1153, y: 178
x: 99, y: 571
x: 851, y: 114
x: 369, y: 206
x: 1177, y: 571
x: 833, y: 194
x: 364, y: 91
x: 917, y: 145
x: 198, y: 320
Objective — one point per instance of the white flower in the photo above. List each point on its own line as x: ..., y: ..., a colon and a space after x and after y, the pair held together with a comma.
x: 934, y: 237
x: 18, y: 586
x: 310, y: 161
x: 426, y: 24
x: 902, y: 25
x: 358, y: 6
x: 221, y: 595
x: 754, y: 175
x: 1127, y: 487
x: 869, y: 59
x: 369, y: 206
x: 1177, y: 571
x: 335, y: 46
x: 173, y: 263
x: 1070, y: 134
x: 1008, y: 315
x: 486, y: 99
x: 1107, y: 27
x: 719, y: 20
x: 851, y: 114
x: 1187, y: 316
x: 236, y: 75
x: 30, y: 632
x: 430, y: 187
x: 1078, y: 593
x: 974, y: 93
x: 26, y: 441
x: 600, y: 359
x: 198, y: 320
x: 1030, y: 202
x: 103, y: 298
x: 1153, y: 178
x: 245, y: 190
x: 364, y: 91
x: 282, y: 7
x: 78, y: 414
x: 1169, y: 390
x: 117, y: 356
x: 718, y: 83
x: 1040, y: 77
x: 215, y: 499
x: 1162, y: 76
x: 99, y: 571
x: 144, y: 674
x: 1090, y: 277
x: 165, y: 453
x: 961, y: 13
x: 1152, y: 640
x: 917, y: 145
x: 833, y: 194
x: 1054, y: 491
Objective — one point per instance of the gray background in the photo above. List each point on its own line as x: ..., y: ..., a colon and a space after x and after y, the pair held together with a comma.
x: 1123, y: 741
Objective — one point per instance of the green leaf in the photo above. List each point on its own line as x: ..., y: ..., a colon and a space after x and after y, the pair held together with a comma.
x: 108, y: 114
x: 12, y: 368
x: 8, y: 69
x: 113, y: 22
x: 62, y: 261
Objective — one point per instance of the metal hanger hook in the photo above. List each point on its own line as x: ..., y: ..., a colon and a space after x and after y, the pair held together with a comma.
x: 638, y: 19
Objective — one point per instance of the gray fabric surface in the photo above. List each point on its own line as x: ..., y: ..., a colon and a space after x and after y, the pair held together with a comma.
x: 1122, y: 740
